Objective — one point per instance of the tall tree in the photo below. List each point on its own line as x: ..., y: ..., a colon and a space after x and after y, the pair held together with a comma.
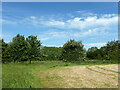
x: 18, y: 48
x: 34, y: 51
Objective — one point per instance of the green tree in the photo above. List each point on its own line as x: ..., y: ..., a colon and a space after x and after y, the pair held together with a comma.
x: 103, y: 52
x: 34, y: 51
x: 4, y: 47
x: 92, y: 52
x: 113, y: 50
x: 18, y: 48
x: 108, y: 52
x: 73, y: 51
x: 51, y: 53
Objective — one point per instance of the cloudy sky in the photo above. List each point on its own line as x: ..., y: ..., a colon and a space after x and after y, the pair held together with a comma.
x: 55, y: 23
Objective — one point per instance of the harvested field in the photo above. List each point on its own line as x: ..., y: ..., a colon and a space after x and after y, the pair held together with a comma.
x: 85, y: 76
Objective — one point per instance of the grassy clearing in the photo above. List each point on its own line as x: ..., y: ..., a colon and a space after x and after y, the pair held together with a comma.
x: 21, y: 75
x: 56, y: 74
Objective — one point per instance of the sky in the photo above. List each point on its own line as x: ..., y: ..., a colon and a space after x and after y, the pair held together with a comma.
x: 55, y: 23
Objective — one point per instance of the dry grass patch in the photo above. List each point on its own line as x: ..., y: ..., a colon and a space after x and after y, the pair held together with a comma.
x: 79, y: 77
x: 102, y: 70
x: 112, y: 67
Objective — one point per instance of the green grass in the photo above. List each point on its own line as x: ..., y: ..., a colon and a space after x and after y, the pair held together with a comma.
x: 21, y: 75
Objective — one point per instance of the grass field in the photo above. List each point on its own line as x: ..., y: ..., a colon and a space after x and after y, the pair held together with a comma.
x: 56, y: 74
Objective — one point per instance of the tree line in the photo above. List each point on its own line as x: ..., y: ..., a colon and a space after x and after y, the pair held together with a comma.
x: 29, y: 49
x: 111, y: 51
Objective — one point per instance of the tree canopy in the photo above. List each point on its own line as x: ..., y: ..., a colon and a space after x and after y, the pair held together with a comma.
x: 20, y: 49
x: 73, y: 51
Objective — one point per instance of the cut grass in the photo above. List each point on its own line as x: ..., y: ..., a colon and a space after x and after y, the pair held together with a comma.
x: 98, y: 71
x: 77, y: 77
x: 113, y: 76
x: 48, y: 74
x: 107, y: 69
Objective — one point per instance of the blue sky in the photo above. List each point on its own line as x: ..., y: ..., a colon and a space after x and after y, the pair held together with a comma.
x: 55, y: 23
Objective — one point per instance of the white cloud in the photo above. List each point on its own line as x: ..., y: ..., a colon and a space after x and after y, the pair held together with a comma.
x: 66, y: 34
x: 86, y: 23
x: 53, y: 23
x: 86, y: 33
x: 44, y: 39
x: 85, y: 13
x: 52, y: 34
x: 32, y: 17
x: 61, y: 34
x: 87, y: 26
x: 8, y: 22
x: 95, y: 44
x: 91, y: 22
x: 108, y: 15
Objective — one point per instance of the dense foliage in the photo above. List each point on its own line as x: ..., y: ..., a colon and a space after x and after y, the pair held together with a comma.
x: 34, y: 49
x: 28, y: 49
x: 51, y: 53
x: 21, y: 49
x: 73, y: 51
x: 108, y: 52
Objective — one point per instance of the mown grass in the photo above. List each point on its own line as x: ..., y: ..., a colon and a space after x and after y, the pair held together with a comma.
x: 21, y: 75
x: 98, y: 71
x: 108, y: 70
